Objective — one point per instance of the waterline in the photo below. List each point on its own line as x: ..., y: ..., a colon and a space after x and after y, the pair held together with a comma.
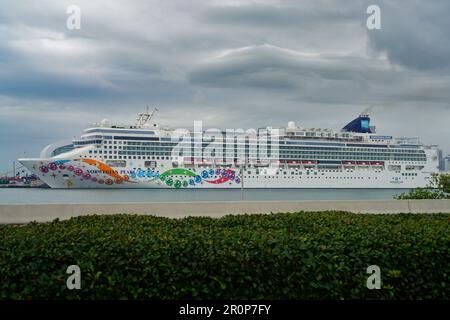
x: 31, y: 195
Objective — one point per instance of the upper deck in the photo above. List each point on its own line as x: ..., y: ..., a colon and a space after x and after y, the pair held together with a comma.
x: 145, y: 130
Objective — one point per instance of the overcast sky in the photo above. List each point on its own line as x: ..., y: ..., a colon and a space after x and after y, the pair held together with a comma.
x: 230, y: 63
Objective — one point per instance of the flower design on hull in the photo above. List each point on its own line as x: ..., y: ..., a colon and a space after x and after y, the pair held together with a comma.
x: 105, y: 175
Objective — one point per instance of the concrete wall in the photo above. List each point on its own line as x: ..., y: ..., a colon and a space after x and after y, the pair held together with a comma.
x: 23, y: 213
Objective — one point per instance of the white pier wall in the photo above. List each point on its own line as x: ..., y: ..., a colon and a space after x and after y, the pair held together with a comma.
x: 24, y: 213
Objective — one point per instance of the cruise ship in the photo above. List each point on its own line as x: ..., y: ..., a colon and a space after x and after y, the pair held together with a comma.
x: 147, y: 155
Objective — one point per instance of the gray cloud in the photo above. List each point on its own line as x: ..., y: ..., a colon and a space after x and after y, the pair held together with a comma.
x: 231, y: 63
x: 290, y: 13
x: 415, y: 34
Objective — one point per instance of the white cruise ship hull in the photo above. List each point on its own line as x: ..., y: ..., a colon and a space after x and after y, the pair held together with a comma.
x: 145, y: 155
x: 89, y: 173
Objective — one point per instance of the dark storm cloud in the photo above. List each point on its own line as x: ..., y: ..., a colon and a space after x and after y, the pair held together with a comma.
x: 291, y: 13
x: 231, y: 63
x: 282, y: 68
x: 415, y: 33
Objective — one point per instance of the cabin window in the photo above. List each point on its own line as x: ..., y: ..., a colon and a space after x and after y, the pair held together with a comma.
x: 150, y: 164
x: 116, y: 163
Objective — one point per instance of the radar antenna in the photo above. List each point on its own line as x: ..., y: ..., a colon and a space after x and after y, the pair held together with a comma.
x: 145, y: 117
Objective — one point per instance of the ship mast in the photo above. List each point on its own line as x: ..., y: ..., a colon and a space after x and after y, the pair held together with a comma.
x: 145, y: 117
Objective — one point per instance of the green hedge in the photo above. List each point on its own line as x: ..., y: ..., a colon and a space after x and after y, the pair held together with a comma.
x: 277, y: 256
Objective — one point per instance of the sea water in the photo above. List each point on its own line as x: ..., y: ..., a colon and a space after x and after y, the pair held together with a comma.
x: 37, y: 195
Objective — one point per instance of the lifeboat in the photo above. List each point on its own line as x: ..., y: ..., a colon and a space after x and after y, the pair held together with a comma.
x: 262, y: 163
x: 188, y: 160
x: 222, y: 162
x: 206, y: 162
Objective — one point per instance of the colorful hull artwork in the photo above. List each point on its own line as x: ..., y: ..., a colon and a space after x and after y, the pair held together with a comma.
x: 82, y: 173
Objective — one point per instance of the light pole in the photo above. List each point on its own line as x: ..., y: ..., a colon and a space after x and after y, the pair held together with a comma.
x: 242, y: 181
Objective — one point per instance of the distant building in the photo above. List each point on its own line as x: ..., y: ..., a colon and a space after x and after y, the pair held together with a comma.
x: 447, y: 163
x: 440, y: 156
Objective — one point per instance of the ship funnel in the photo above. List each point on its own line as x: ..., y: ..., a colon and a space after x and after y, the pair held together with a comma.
x: 360, y: 124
